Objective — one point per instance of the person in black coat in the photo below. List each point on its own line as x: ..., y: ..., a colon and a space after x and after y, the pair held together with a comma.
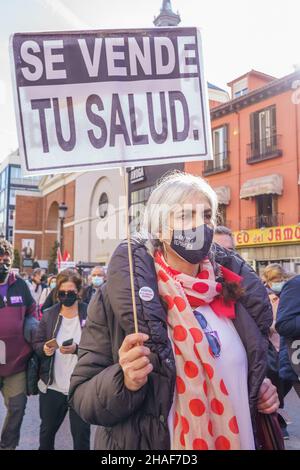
x: 288, y: 326
x: 125, y: 382
x: 97, y: 279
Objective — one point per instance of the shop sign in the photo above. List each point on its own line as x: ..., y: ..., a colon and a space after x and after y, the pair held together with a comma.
x: 288, y: 234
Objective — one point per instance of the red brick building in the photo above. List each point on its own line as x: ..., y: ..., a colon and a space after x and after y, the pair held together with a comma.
x: 256, y: 141
x: 37, y: 216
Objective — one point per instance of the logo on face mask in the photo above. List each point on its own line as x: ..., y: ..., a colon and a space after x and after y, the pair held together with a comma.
x: 193, y: 245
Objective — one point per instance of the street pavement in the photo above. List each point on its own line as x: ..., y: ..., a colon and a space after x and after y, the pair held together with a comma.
x: 30, y: 429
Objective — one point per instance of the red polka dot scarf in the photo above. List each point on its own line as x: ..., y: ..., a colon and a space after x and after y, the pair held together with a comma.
x: 203, y: 414
x: 204, y: 289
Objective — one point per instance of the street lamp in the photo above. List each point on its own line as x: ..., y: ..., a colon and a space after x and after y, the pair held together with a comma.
x: 62, y: 209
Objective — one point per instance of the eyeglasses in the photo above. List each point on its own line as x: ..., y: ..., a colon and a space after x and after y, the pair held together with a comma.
x: 212, y: 336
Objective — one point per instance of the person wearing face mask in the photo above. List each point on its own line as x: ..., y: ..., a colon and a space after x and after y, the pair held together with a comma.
x: 17, y: 308
x: 280, y: 370
x: 275, y: 278
x: 287, y: 325
x: 61, y: 323
x: 36, y: 285
x: 97, y: 279
x: 193, y: 378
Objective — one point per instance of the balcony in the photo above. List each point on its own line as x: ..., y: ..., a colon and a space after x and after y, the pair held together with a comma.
x: 219, y: 164
x: 263, y: 221
x: 31, y: 181
x: 264, y: 149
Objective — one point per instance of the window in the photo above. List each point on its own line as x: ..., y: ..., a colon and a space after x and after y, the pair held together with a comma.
x: 263, y: 133
x: 11, y: 217
x: 220, y: 149
x: 2, y: 200
x: 15, y: 172
x: 3, y: 179
x: 12, y: 197
x: 221, y: 216
x: 220, y: 146
x: 141, y: 196
x: 242, y: 92
x: 103, y: 206
x: 266, y: 210
x: 138, y: 201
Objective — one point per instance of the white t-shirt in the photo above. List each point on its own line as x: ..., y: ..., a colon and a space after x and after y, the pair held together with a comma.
x: 64, y: 364
x: 232, y: 365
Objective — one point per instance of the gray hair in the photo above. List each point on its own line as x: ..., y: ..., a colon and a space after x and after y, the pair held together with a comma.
x: 171, y: 191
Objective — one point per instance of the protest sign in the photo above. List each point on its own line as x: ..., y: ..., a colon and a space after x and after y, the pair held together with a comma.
x: 102, y: 99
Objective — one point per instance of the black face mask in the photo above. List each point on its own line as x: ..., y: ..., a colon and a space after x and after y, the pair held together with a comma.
x: 193, y: 245
x: 68, y: 299
x: 4, y: 271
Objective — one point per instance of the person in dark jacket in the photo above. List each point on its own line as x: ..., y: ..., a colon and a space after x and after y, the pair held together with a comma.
x: 97, y: 279
x: 288, y: 326
x: 275, y: 277
x: 194, y: 377
x: 16, y: 307
x: 62, y: 322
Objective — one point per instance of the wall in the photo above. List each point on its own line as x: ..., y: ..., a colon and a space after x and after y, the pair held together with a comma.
x: 287, y: 115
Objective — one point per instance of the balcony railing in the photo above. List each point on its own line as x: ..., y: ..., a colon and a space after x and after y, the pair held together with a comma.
x: 264, y: 149
x: 226, y: 223
x: 262, y: 221
x: 29, y: 181
x: 219, y: 164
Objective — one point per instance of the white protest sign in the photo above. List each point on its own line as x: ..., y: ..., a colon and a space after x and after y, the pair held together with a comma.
x: 67, y: 265
x: 103, y: 99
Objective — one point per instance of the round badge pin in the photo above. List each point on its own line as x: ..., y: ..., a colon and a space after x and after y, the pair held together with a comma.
x: 146, y: 293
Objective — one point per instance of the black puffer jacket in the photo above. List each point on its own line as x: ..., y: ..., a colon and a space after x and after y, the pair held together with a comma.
x: 138, y: 420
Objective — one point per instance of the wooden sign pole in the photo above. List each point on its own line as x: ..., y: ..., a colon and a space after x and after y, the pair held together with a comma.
x: 136, y: 328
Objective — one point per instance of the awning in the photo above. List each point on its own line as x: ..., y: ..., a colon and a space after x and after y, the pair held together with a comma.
x: 223, y: 193
x: 272, y: 184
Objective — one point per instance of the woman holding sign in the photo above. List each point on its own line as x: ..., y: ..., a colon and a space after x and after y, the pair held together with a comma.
x: 194, y: 377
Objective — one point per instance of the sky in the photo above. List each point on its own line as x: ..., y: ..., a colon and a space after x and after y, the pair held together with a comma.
x: 238, y: 35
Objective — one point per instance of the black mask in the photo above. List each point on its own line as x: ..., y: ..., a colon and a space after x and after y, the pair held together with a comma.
x: 67, y: 298
x: 193, y: 245
x: 4, y: 271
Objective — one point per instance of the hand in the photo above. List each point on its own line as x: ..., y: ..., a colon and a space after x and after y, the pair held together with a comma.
x: 48, y: 351
x: 268, y: 401
x: 68, y: 349
x: 135, y: 362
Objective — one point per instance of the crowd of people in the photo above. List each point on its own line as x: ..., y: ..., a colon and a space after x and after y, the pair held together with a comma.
x: 212, y: 357
x: 41, y: 320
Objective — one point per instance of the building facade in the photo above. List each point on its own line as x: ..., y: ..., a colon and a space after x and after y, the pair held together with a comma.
x: 99, y: 218
x: 255, y: 170
x: 94, y: 219
x: 11, y: 181
x: 37, y: 220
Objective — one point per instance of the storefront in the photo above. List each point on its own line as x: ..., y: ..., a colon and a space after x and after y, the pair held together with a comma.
x: 261, y: 247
